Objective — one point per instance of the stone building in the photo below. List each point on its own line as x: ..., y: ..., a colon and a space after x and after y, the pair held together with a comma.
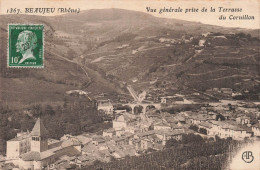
x: 32, y: 151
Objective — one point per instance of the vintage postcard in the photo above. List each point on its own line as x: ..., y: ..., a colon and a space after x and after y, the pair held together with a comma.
x: 130, y: 85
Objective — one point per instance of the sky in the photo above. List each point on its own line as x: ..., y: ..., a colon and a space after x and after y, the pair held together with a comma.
x: 249, y: 7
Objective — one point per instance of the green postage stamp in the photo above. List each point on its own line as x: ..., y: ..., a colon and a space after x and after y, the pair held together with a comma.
x: 25, y: 45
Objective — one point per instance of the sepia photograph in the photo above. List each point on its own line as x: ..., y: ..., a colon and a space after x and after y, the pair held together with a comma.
x: 129, y: 85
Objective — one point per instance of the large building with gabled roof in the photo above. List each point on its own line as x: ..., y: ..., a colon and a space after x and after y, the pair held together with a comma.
x: 33, y: 151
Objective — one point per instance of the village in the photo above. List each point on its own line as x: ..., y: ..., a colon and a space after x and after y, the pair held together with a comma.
x: 141, y: 123
x: 141, y: 127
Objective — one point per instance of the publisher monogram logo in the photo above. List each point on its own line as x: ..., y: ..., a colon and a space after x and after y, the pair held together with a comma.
x: 247, y: 156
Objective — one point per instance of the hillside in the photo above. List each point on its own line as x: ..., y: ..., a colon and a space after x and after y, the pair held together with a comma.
x: 100, y: 51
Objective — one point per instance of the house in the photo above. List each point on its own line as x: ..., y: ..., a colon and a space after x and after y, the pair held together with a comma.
x: 167, y: 135
x: 132, y: 129
x: 83, y: 160
x: 70, y: 159
x: 256, y: 129
x: 102, y: 155
x: 89, y: 149
x: 136, y: 142
x: 227, y: 91
x: 177, y: 127
x: 226, y: 115
x: 163, y: 100
x: 243, y: 120
x: 145, y: 144
x: 97, y: 139
x: 180, y: 119
x: 142, y: 127
x: 172, y: 99
x: 121, y: 140
x: 18, y: 146
x: 198, y: 118
x: 106, y: 106
x: 118, y: 154
x: 123, y: 121
x: 225, y: 129
x: 109, y: 132
x: 155, y: 139
x: 130, y: 150
x: 157, y: 146
x: 144, y: 134
x: 208, y: 127
x: 120, y: 132
x: 84, y: 139
x: 202, y: 42
x: 177, y: 119
x: 161, y: 126
x: 80, y: 160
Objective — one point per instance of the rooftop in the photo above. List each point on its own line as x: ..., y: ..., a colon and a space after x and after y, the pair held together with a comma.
x: 206, y: 124
x: 31, y: 156
x: 21, y: 137
x: 125, y: 117
x: 162, y: 124
x: 147, y: 133
x: 201, y: 117
x: 39, y: 129
x: 168, y: 132
x: 231, y: 125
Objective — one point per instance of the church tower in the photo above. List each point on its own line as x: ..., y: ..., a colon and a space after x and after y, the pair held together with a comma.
x: 39, y: 137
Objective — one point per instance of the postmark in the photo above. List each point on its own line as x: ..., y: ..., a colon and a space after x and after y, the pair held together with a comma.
x: 25, y: 45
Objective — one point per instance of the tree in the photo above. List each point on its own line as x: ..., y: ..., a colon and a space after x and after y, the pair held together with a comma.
x: 171, y: 142
x: 217, y: 138
x: 211, y: 139
x: 220, y: 117
x: 138, y: 109
x: 203, y: 131
x: 36, y: 110
x: 191, y: 138
x: 194, y: 127
x: 27, y: 123
x: 49, y: 110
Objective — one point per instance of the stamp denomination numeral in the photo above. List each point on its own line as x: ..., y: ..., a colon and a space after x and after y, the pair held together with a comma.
x: 14, y: 59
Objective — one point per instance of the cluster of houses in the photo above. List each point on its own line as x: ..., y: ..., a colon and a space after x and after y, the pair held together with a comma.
x: 130, y: 135
x: 237, y: 126
x: 225, y: 119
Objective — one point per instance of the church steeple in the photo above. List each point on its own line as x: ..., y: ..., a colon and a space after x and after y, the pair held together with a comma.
x: 39, y: 137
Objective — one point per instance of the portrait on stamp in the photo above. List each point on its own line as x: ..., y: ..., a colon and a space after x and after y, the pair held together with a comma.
x: 25, y: 46
x: 26, y: 42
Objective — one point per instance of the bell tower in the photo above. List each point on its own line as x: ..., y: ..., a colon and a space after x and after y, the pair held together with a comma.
x: 39, y: 137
